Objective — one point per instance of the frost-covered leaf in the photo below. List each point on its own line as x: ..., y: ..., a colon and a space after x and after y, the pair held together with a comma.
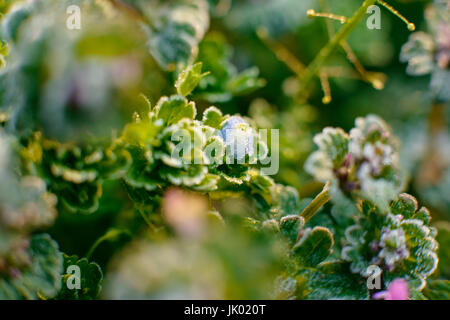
x: 75, y: 172
x: 141, y: 133
x: 14, y: 19
x: 178, y: 28
x: 28, y: 263
x: 260, y: 182
x: 333, y: 281
x: 208, y: 183
x: 363, y: 164
x: 280, y: 201
x: 401, y: 242
x: 314, y: 246
x: 212, y: 117
x: 40, y: 279
x: 276, y: 16
x: 224, y: 80
x: 91, y: 277
x: 428, y: 52
x: 333, y: 144
x: 189, y: 79
x: 178, y: 150
x: 173, y: 109
x: 290, y: 226
x: 418, y: 52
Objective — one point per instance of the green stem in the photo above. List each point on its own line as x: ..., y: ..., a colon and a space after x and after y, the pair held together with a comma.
x: 147, y: 220
x: 317, y: 203
x: 109, y: 235
x: 331, y: 46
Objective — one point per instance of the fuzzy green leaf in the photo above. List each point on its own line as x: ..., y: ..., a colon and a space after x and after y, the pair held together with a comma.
x: 14, y: 20
x: 437, y: 290
x: 332, y: 280
x: 180, y: 26
x: 91, y: 277
x: 173, y: 109
x: 39, y: 280
x: 290, y: 226
x: 245, y: 82
x: 212, y: 117
x: 189, y: 79
x: 314, y: 246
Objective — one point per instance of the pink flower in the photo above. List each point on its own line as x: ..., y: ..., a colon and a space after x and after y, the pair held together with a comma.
x: 398, y: 290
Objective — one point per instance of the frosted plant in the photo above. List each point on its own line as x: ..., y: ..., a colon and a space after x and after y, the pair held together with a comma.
x: 30, y: 264
x: 429, y: 52
x: 109, y: 142
x: 393, y: 244
x: 401, y: 241
x: 362, y: 164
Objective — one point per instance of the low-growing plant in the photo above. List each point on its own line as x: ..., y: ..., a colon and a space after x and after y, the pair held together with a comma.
x: 147, y: 157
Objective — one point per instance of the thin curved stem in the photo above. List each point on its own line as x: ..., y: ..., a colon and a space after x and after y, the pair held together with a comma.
x: 109, y: 235
x: 147, y: 220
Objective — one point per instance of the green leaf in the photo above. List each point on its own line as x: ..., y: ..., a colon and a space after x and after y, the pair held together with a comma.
x: 82, y: 197
x: 279, y: 17
x: 173, y: 109
x: 41, y: 279
x: 212, y: 117
x: 209, y: 183
x: 333, y: 147
x: 260, y: 182
x: 314, y: 246
x: 224, y: 80
x: 176, y: 30
x: 437, y: 290
x: 290, y: 226
x: 289, y: 201
x: 141, y: 133
x: 443, y: 238
x: 245, y: 82
x: 283, y: 201
x: 13, y: 21
x: 192, y: 176
x: 406, y: 205
x: 91, y: 278
x: 332, y: 280
x: 137, y: 178
x: 189, y: 79
x: 334, y: 142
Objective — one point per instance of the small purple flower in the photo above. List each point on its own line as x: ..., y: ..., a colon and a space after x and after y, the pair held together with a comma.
x: 398, y: 290
x: 393, y: 247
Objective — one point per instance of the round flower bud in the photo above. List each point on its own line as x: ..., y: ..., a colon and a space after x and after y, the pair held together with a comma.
x: 238, y: 137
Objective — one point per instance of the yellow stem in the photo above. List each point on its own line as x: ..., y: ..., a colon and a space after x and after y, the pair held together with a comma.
x: 411, y: 26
